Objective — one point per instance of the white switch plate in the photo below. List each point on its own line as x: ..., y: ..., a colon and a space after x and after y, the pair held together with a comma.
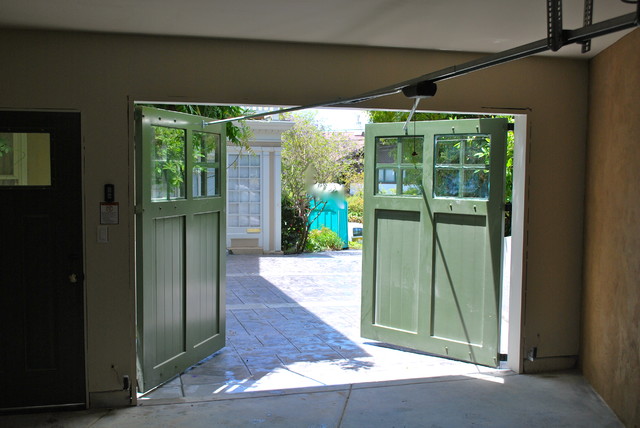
x: 103, y: 234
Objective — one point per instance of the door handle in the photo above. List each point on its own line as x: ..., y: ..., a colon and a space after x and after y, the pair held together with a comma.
x: 74, y: 278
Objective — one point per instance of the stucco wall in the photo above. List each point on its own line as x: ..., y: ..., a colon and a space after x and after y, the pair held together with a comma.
x: 99, y: 75
x: 611, y: 329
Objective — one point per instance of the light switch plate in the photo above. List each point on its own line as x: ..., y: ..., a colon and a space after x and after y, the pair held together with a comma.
x: 103, y: 234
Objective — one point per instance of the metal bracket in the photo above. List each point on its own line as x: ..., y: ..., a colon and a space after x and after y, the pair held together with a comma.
x: 554, y: 24
x: 411, y: 113
x: 588, y: 20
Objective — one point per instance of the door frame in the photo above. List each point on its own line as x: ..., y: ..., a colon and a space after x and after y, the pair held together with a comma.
x: 519, y: 221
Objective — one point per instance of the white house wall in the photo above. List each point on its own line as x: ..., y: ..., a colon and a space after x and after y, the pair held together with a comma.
x: 101, y: 75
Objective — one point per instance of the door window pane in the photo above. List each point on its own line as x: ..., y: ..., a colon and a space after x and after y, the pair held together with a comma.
x: 386, y: 181
x: 411, y: 180
x: 447, y: 152
x: 399, y: 165
x: 386, y: 150
x: 25, y: 159
x: 476, y: 183
x: 167, y: 177
x: 477, y: 151
x: 461, y: 166
x: 206, y: 148
x: 447, y: 182
x: 412, y: 150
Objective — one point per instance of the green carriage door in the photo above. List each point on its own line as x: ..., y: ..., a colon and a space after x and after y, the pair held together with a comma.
x: 433, y: 236
x: 180, y: 242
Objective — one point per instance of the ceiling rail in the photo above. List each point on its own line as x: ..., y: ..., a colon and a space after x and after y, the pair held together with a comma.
x: 579, y: 35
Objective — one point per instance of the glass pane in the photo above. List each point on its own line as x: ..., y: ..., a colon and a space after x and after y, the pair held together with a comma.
x: 243, y: 171
x: 205, y: 146
x: 243, y: 160
x: 233, y: 196
x: 25, y: 159
x: 232, y: 220
x: 412, y: 149
x: 243, y: 208
x: 476, y: 183
x: 243, y: 220
x: 204, y: 181
x: 167, y: 178
x: 254, y: 172
x: 254, y: 184
x: 446, y: 182
x: 205, y: 170
x: 411, y: 180
x: 254, y: 221
x: 447, y: 152
x: 254, y: 160
x: 233, y: 208
x: 386, y: 150
x: 386, y: 181
x: 254, y: 196
x: 255, y: 208
x: 477, y: 150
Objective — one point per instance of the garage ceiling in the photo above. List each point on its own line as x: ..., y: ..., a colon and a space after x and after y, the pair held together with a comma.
x: 456, y: 25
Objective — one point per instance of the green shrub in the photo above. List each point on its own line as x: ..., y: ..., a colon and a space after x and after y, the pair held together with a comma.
x: 293, y: 226
x: 355, y: 245
x: 355, y: 205
x: 323, y: 239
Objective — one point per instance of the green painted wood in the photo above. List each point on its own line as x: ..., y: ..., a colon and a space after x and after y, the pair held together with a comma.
x: 432, y: 260
x: 180, y: 242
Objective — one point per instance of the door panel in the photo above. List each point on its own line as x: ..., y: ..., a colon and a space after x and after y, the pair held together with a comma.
x: 433, y: 225
x: 205, y: 316
x: 42, y: 359
x: 180, y: 242
x: 397, y: 285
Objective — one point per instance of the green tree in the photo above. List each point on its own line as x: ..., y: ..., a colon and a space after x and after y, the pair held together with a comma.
x: 311, y: 156
x: 236, y: 134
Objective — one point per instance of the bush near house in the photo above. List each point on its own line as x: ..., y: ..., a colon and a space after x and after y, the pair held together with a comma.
x: 323, y: 239
x: 293, y: 226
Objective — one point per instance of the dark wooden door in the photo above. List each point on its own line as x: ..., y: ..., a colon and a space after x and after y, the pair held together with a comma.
x: 42, y: 361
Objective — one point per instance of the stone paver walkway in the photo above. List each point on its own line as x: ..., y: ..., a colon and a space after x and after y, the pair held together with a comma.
x: 294, y: 321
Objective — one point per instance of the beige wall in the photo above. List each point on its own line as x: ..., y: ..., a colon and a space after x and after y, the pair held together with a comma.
x: 99, y: 74
x: 611, y: 328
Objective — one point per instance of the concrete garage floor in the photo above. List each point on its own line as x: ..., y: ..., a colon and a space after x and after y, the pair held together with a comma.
x: 294, y: 358
x: 557, y: 400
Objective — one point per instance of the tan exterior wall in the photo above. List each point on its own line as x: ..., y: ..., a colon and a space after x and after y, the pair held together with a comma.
x: 611, y: 326
x: 99, y: 75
